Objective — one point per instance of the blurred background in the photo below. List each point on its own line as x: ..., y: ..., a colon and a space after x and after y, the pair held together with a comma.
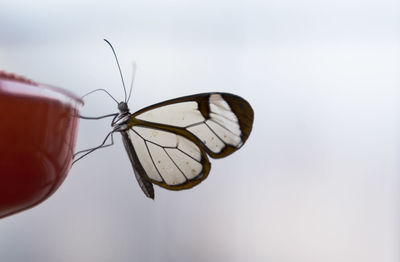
x: 317, y: 180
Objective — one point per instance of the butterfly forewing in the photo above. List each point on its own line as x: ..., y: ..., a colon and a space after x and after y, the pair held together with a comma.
x: 222, y: 122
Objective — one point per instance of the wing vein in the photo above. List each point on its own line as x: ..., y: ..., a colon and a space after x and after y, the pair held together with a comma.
x: 194, y: 124
x: 189, y: 156
x: 215, y: 134
x: 220, y: 106
x: 176, y: 165
x: 138, y: 134
x: 154, y: 143
x: 152, y: 160
x: 226, y: 118
x: 223, y: 126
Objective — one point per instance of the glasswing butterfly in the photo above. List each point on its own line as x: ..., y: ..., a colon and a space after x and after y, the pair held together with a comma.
x: 168, y: 143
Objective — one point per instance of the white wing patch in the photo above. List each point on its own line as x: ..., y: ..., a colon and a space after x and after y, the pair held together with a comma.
x: 206, y: 135
x: 225, y: 134
x: 189, y: 148
x: 166, y: 139
x: 190, y: 167
x: 233, y: 127
x: 167, y: 169
x: 143, y: 154
x: 217, y: 100
x: 179, y: 114
x: 223, y: 121
x: 165, y: 156
x: 226, y: 113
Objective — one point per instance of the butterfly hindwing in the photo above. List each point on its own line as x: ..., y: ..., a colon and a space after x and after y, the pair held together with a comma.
x: 167, y: 158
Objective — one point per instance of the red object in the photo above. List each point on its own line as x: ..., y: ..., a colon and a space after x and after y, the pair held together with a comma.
x: 38, y: 127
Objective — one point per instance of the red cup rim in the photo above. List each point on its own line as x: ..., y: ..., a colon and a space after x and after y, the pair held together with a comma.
x: 14, y: 84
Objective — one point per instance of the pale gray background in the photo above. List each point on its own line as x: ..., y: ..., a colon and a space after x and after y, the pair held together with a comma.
x: 318, y: 179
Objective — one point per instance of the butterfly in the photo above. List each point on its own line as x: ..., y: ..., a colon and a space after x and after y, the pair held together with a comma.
x: 169, y: 143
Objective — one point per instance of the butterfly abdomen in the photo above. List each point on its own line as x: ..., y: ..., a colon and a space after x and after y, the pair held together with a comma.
x: 140, y: 173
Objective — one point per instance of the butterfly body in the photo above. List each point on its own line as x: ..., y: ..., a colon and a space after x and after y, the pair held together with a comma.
x: 168, y: 143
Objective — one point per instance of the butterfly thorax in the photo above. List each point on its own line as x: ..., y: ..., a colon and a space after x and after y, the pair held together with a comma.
x: 121, y: 121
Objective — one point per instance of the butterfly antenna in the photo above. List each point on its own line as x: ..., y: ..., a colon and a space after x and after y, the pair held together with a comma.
x: 133, y: 80
x: 119, y: 68
x: 100, y: 89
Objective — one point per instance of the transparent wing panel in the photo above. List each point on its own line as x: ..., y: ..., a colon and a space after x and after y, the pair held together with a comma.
x: 144, y: 156
x: 180, y: 114
x: 208, y: 137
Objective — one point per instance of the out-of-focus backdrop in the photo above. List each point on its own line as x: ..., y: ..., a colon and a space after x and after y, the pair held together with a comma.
x: 318, y: 179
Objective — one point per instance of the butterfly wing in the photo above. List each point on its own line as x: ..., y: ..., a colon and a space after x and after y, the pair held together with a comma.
x: 173, y: 159
x: 171, y: 139
x: 221, y: 121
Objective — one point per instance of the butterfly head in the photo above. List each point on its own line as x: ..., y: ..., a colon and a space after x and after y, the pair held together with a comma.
x: 123, y: 107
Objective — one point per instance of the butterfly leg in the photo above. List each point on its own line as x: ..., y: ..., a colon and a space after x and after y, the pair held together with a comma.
x: 90, y: 150
x: 101, y: 146
x: 98, y: 117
